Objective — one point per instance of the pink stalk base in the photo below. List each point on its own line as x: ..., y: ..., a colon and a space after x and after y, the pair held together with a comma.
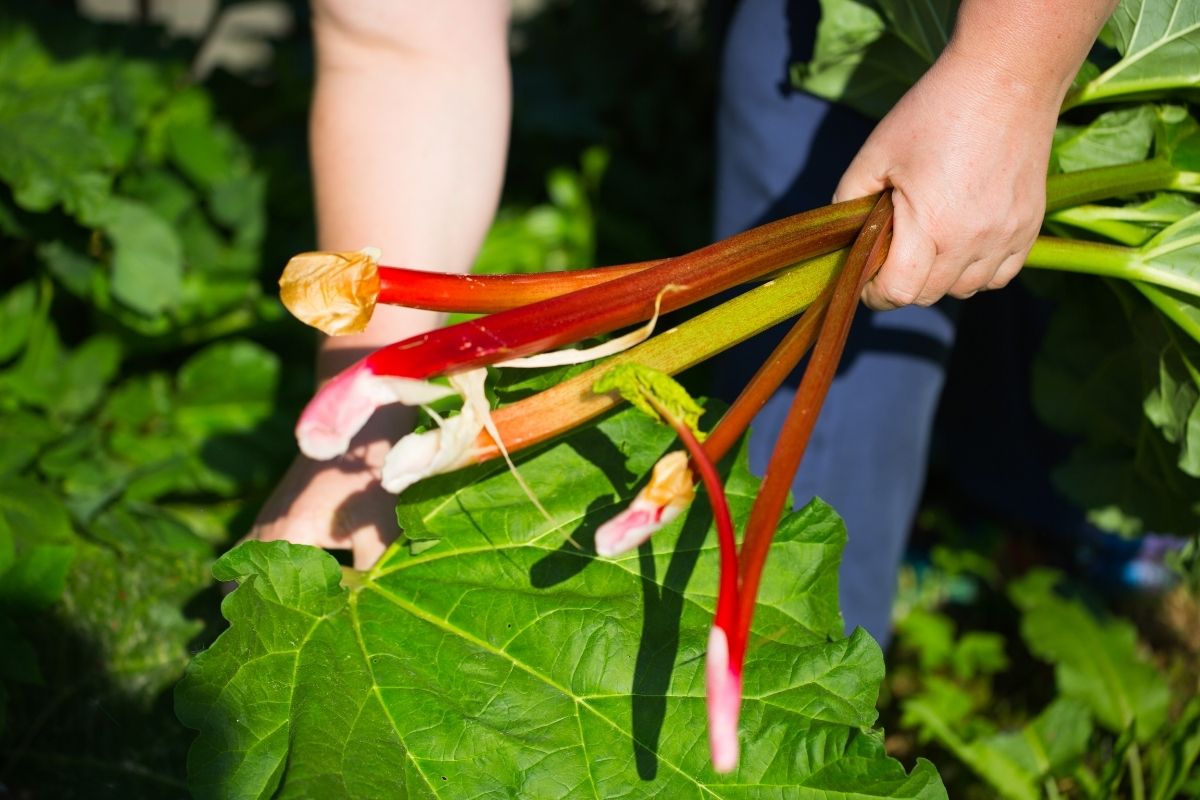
x: 640, y: 520
x: 344, y: 404
x: 723, y: 690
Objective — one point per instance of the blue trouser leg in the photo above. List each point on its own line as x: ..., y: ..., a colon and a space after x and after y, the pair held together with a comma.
x: 779, y: 152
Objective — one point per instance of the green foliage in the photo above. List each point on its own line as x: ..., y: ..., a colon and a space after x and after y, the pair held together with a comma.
x: 167, y: 207
x: 1157, y: 41
x: 1096, y: 662
x: 1115, y: 717
x: 133, y: 431
x: 1108, y: 359
x: 648, y: 389
x: 506, y: 659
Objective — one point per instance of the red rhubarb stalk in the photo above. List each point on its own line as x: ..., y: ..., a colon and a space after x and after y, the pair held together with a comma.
x: 723, y: 662
x: 487, y: 294
x: 624, y: 301
x: 866, y: 256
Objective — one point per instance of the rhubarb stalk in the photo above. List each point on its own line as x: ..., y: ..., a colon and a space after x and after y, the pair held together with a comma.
x: 726, y: 649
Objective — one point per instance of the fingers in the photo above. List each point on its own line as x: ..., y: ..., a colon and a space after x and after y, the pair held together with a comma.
x: 902, y: 278
x: 334, y: 506
x: 922, y: 267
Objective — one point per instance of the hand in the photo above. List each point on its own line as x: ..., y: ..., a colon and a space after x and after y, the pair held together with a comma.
x: 965, y: 152
x: 339, y: 504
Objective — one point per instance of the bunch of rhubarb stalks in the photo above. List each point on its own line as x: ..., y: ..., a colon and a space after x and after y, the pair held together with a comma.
x: 811, y: 267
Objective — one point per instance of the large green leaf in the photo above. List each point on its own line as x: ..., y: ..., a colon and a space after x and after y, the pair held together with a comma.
x: 1096, y: 660
x: 507, y: 661
x: 1123, y: 136
x: 870, y: 52
x: 1158, y: 41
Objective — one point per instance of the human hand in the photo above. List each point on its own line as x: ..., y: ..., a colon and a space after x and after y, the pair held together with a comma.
x: 965, y: 153
x: 334, y: 505
x: 339, y: 504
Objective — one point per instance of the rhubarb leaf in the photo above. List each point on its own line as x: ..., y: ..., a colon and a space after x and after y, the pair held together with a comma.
x: 1096, y: 660
x: 1123, y: 136
x: 870, y: 52
x: 507, y: 660
x: 1174, y: 404
x: 1157, y: 41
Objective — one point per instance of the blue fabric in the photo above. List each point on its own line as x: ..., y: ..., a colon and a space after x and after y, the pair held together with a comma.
x: 779, y: 152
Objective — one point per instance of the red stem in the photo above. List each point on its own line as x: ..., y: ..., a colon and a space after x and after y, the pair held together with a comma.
x: 624, y: 301
x: 487, y: 294
x: 726, y: 615
x: 769, y: 377
x: 866, y: 256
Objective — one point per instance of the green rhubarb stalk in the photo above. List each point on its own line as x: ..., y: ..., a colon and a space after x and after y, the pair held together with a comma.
x: 1089, y: 185
x: 1110, y: 261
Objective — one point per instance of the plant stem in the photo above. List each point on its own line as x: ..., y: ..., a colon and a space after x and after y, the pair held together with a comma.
x: 769, y: 377
x: 675, y: 283
x: 1133, y: 757
x: 727, y: 596
x: 866, y: 255
x: 1088, y: 185
x: 1051, y: 786
x: 487, y: 294
x: 1111, y: 261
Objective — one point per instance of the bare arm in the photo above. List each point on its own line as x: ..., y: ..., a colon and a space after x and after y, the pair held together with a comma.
x: 966, y: 149
x: 409, y: 131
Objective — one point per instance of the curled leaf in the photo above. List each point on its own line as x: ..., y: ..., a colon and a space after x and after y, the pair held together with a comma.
x: 333, y: 292
x: 639, y: 385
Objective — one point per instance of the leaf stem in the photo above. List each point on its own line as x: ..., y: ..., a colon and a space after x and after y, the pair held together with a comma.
x: 769, y: 377
x: 572, y: 402
x: 614, y: 304
x: 1133, y: 758
x: 1111, y: 261
x: 1088, y: 185
x: 727, y: 596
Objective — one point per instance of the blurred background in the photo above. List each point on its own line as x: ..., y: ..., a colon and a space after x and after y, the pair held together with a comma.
x: 152, y: 186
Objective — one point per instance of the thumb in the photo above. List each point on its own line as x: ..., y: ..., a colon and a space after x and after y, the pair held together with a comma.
x: 862, y: 177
